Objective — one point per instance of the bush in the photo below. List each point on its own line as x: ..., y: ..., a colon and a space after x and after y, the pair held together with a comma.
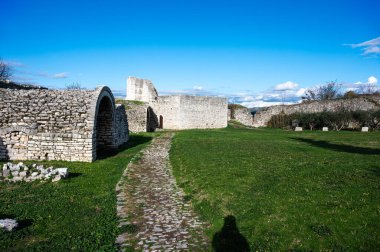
x: 337, y: 120
x: 281, y: 120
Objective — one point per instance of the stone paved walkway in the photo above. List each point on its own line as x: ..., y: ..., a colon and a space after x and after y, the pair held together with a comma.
x: 151, y: 208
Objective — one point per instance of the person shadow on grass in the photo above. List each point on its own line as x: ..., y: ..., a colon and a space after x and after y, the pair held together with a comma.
x: 229, y: 238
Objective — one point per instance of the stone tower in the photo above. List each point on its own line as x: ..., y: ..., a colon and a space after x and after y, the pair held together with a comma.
x: 140, y: 90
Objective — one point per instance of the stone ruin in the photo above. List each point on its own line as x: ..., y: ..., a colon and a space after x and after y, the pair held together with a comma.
x: 71, y: 125
x: 365, y: 103
x: 173, y: 112
x: 242, y: 115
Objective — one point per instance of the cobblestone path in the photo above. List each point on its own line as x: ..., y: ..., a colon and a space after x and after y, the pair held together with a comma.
x: 151, y: 208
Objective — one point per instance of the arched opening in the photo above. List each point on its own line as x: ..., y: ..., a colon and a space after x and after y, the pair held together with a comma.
x: 15, y: 145
x: 104, y: 126
x: 161, y: 122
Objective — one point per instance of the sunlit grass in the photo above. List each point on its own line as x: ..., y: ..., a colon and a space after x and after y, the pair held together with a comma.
x: 78, y: 213
x: 287, y: 190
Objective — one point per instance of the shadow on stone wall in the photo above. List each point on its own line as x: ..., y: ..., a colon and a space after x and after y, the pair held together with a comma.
x: 338, y: 147
x: 229, y: 239
x: 3, y: 151
x: 133, y: 142
x: 151, y: 120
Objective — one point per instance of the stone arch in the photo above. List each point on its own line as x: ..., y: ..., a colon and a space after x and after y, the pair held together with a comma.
x: 104, y: 121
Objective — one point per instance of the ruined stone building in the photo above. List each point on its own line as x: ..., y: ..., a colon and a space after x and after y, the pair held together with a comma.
x: 174, y: 111
x: 71, y: 125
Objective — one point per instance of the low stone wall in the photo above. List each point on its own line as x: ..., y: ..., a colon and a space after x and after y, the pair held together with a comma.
x: 262, y: 117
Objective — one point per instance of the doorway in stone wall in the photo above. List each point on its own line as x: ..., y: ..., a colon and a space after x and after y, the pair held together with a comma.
x: 104, y: 127
x: 161, y: 122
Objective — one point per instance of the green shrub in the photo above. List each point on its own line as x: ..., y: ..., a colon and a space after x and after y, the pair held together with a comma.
x: 281, y: 120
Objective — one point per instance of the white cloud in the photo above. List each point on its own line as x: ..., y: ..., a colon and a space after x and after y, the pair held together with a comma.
x: 255, y: 104
x: 372, y: 80
x: 369, y: 48
x: 60, y: 75
x: 197, y: 87
x: 301, y: 92
x: 289, y: 85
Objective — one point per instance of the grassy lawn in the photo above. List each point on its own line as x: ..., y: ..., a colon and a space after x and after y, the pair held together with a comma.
x: 287, y: 190
x: 78, y: 213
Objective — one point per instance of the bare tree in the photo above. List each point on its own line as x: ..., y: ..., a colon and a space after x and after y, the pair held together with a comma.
x: 74, y: 86
x: 5, y: 71
x: 367, y: 88
x: 325, y: 92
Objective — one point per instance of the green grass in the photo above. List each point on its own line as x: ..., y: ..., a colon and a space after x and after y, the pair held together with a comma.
x: 288, y: 190
x: 78, y: 213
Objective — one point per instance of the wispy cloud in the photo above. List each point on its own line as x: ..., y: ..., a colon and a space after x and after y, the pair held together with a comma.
x: 60, y: 75
x: 13, y: 63
x: 369, y: 48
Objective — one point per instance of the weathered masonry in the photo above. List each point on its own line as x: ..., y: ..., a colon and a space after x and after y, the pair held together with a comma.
x: 176, y: 111
x: 71, y: 125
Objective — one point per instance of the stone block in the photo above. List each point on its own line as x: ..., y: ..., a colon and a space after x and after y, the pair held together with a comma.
x: 298, y: 129
x: 325, y: 129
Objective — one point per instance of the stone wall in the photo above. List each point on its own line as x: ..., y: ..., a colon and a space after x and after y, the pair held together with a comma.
x: 175, y: 111
x: 140, y: 90
x: 202, y: 112
x: 167, y: 109
x: 67, y: 125
x: 243, y: 115
x: 121, y: 126
x: 141, y: 117
x: 190, y: 112
x: 262, y: 117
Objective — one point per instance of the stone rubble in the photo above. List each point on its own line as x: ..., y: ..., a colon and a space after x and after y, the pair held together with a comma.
x: 21, y: 172
x: 151, y: 207
x: 8, y: 224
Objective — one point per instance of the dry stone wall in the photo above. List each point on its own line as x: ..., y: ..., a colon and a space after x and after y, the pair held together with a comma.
x: 262, y: 118
x: 57, y: 124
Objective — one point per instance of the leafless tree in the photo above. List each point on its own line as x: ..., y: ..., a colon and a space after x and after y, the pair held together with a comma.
x: 367, y: 88
x: 325, y: 92
x: 5, y: 71
x: 74, y: 86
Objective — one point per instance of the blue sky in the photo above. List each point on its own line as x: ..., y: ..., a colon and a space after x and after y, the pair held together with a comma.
x: 255, y: 52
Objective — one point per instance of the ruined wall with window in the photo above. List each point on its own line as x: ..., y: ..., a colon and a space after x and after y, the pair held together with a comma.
x: 72, y: 125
